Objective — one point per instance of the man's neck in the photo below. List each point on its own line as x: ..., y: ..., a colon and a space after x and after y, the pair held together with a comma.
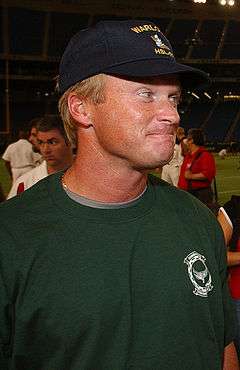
x: 51, y: 169
x: 95, y: 182
x: 60, y: 167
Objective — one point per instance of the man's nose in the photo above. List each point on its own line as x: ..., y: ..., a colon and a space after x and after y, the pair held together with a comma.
x: 45, y: 147
x: 166, y: 111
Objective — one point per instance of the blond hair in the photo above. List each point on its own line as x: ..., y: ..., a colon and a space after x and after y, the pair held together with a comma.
x: 91, y: 88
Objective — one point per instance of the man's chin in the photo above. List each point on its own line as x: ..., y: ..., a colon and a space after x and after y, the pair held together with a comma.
x: 160, y: 162
x: 148, y: 167
x: 50, y: 162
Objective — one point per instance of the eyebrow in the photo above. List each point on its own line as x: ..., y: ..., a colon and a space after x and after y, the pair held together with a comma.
x: 176, y: 88
x: 50, y: 139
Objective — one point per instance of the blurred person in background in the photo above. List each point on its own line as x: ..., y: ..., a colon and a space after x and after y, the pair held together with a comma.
x: 182, y: 141
x: 19, y: 156
x: 55, y: 149
x: 33, y: 134
x: 222, y: 153
x: 171, y: 170
x: 198, y: 169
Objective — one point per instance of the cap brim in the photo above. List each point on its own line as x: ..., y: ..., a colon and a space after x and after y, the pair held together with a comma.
x: 190, y: 78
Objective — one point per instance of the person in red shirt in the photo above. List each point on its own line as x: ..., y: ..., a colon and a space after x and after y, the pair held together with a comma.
x: 198, y: 169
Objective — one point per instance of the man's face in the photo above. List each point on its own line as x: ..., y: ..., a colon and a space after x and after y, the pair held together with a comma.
x: 136, y: 125
x: 53, y: 147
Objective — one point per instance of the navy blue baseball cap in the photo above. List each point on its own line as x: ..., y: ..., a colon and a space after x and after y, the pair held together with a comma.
x: 129, y: 48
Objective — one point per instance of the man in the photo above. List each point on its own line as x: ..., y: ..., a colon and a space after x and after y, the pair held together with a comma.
x: 198, y: 169
x: 222, y: 153
x: 19, y: 156
x: 55, y: 150
x: 182, y: 141
x: 108, y: 274
x: 170, y: 172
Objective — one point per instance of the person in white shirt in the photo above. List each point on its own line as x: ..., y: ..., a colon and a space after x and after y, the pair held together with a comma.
x: 223, y: 153
x: 19, y: 156
x: 55, y: 149
x: 170, y: 172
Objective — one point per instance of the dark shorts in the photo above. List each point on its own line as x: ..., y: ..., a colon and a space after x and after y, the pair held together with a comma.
x: 205, y: 195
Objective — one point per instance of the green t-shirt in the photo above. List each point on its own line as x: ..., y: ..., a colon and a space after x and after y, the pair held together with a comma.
x: 141, y: 288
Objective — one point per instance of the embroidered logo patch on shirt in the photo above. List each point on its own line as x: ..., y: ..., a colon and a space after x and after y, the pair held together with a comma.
x: 199, y: 274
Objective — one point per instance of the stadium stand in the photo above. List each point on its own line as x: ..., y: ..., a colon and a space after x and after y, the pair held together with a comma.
x: 220, y: 120
x: 231, y: 47
x: 181, y: 33
x: 21, y: 41
x: 209, y: 37
x: 35, y: 34
x: 196, y: 114
x: 59, y: 36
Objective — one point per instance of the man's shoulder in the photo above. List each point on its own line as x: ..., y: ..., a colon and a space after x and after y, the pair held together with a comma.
x: 181, y: 201
x: 17, y: 143
x: 23, y: 141
x: 8, y: 149
x: 24, y: 144
x: 168, y: 191
x: 202, y: 151
x: 28, y: 214
x: 37, y: 172
x: 208, y: 158
x: 163, y: 186
x: 28, y: 179
x: 32, y: 200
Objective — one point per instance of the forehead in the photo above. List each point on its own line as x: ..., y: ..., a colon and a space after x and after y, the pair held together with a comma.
x: 171, y: 81
x: 51, y: 134
x: 33, y: 131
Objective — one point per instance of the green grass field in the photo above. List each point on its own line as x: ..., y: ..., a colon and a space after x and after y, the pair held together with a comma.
x: 5, y: 180
x: 228, y: 177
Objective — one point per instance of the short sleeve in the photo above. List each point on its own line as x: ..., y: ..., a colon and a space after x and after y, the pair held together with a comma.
x: 6, y: 155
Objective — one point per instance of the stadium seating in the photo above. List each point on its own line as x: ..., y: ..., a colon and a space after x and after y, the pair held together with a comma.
x: 220, y: 120
x: 34, y: 57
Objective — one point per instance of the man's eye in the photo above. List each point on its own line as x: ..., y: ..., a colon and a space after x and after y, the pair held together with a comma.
x: 52, y: 142
x: 146, y: 94
x: 175, y: 99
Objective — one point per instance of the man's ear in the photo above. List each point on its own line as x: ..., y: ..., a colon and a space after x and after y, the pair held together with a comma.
x: 79, y: 110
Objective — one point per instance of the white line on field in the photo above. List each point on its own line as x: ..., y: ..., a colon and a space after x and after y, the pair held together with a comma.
x: 229, y: 191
